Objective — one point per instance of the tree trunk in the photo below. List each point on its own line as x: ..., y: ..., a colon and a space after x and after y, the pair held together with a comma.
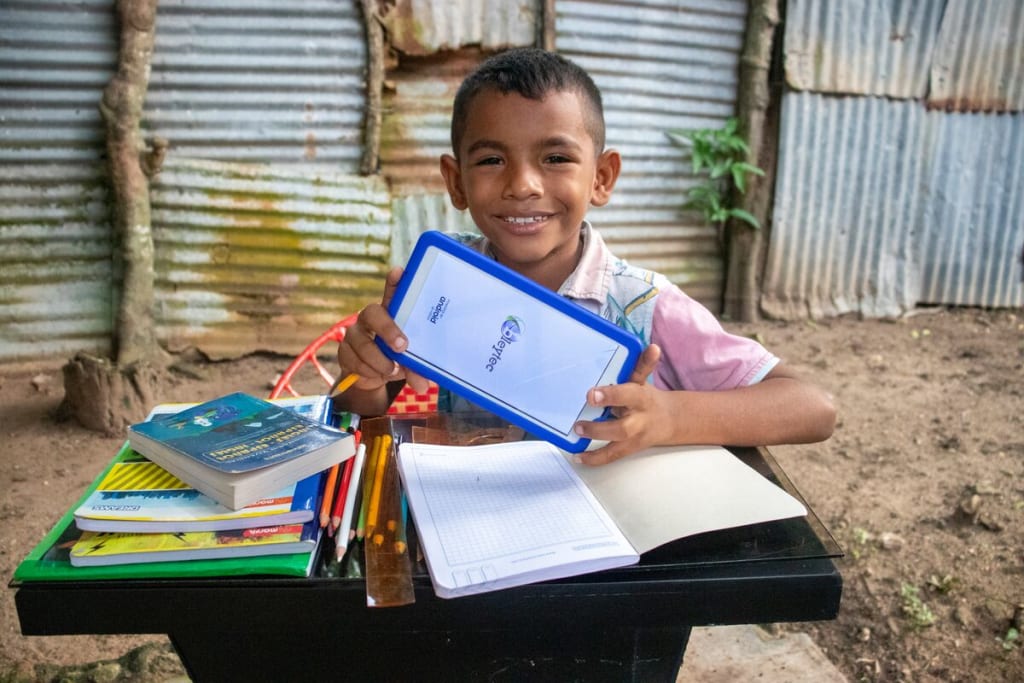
x: 121, y: 107
x: 744, y: 243
x: 101, y: 395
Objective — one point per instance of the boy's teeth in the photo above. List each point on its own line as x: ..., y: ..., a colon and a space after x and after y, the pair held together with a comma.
x: 529, y: 219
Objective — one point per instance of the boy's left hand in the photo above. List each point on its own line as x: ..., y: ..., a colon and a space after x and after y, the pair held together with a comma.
x: 642, y: 414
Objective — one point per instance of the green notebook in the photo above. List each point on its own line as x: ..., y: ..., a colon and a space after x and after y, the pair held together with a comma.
x: 50, y: 561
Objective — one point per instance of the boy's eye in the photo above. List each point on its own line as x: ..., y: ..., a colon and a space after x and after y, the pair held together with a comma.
x: 558, y: 159
x: 488, y: 161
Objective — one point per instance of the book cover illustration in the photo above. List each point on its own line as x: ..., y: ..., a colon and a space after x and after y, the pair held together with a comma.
x: 138, y: 495
x: 97, y: 548
x: 236, y: 433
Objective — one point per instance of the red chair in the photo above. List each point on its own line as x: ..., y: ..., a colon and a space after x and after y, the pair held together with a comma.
x: 407, y: 401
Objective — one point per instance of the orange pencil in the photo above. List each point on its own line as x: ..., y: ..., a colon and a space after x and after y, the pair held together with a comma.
x: 325, y: 506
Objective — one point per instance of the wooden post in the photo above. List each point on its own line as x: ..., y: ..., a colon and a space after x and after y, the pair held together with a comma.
x: 745, y: 245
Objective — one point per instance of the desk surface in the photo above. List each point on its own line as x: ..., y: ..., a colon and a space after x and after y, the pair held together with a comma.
x: 773, y: 572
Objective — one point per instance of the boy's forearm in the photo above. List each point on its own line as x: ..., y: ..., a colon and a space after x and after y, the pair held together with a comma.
x: 778, y: 410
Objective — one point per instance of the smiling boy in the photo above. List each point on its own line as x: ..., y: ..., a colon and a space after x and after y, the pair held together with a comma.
x: 528, y: 161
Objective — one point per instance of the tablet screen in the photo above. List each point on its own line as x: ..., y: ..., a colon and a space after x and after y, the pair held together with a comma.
x: 528, y: 356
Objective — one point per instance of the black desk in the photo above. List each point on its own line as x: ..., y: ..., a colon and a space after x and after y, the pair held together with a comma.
x: 624, y: 624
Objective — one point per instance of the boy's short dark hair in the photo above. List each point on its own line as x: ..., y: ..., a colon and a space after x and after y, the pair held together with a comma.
x: 531, y: 73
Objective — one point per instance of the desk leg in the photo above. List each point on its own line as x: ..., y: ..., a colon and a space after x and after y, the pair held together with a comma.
x: 639, y: 655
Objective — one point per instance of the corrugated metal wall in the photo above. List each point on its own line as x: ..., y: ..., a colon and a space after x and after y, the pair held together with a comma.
x: 660, y: 66
x: 909, y: 192
x: 260, y: 80
x: 281, y: 238
x: 256, y: 81
x: 263, y: 256
x: 55, y: 243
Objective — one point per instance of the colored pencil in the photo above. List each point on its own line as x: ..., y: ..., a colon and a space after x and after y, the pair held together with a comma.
x: 343, y: 384
x: 325, y: 505
x: 368, y: 474
x: 340, y: 495
x: 378, y: 483
x: 342, y: 535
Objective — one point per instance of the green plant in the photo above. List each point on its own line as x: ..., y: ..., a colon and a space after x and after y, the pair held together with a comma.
x: 916, y: 611
x: 1011, y: 639
x: 721, y: 154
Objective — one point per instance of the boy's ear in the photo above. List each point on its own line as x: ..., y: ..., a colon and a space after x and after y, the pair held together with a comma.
x: 609, y: 164
x: 453, y: 181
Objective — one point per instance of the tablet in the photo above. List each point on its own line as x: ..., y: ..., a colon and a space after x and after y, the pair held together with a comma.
x: 505, y: 343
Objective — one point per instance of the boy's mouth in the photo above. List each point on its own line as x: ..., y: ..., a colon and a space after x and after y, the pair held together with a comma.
x: 524, y: 220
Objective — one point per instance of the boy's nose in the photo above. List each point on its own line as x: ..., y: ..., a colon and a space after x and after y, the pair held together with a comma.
x: 522, y: 181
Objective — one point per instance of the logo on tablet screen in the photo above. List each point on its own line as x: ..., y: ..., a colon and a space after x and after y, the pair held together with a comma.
x: 511, y: 330
x: 437, y: 312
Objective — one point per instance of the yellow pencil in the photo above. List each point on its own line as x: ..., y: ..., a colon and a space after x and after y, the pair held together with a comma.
x: 343, y: 384
x: 378, y: 483
x: 367, y: 485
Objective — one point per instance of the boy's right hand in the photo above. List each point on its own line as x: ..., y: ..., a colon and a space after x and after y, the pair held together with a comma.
x: 359, y: 353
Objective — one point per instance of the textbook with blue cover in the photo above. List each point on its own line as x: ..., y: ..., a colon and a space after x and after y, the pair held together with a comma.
x: 139, y: 496
x: 237, y: 448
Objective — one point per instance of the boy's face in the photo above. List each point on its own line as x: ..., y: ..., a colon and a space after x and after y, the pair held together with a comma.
x: 527, y: 170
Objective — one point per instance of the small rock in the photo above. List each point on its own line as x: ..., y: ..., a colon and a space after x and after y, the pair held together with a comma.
x: 962, y: 615
x: 970, y: 505
x: 891, y: 541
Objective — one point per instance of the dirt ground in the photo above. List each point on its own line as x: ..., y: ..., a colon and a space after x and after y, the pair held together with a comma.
x: 922, y: 484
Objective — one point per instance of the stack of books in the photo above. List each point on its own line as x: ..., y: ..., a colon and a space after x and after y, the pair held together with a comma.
x: 230, y: 486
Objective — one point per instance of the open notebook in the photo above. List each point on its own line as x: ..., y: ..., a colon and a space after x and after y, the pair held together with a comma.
x: 508, y: 514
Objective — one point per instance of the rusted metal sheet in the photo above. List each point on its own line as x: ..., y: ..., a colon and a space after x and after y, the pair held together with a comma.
x: 959, y: 55
x: 881, y: 205
x: 979, y: 57
x: 260, y: 80
x: 424, y: 27
x: 877, y: 47
x: 257, y: 256
x: 55, y: 59
x: 417, y: 119
x: 56, y: 277
x: 55, y: 262
x: 415, y: 214
x: 660, y: 66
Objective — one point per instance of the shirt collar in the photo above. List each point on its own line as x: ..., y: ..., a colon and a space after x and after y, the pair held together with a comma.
x: 592, y: 277
x: 593, y: 274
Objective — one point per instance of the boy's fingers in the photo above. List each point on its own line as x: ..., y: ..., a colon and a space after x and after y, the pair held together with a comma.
x: 646, y: 364
x: 419, y: 383
x: 375, y: 321
x: 391, y: 284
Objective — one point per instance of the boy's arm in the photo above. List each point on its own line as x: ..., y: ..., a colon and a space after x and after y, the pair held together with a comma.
x: 780, y: 409
x: 380, y: 378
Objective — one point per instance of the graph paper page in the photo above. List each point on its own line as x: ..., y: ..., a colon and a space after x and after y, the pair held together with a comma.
x: 504, y: 515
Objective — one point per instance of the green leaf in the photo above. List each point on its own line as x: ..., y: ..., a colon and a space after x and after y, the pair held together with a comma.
x: 745, y: 216
x: 739, y: 179
x: 749, y: 168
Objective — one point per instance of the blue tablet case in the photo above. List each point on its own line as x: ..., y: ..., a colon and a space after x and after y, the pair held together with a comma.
x: 477, y: 261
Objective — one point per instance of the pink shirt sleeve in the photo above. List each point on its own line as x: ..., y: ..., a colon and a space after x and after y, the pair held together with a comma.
x: 697, y: 354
